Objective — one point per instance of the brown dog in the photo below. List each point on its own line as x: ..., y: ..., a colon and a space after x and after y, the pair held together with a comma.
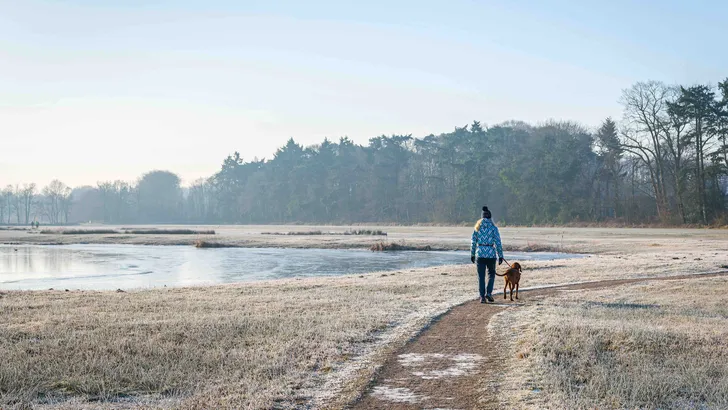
x: 512, y: 277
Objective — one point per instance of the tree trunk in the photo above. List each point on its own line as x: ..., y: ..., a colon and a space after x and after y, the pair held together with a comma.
x: 725, y: 150
x: 606, y: 194
x: 659, y: 200
x: 679, y: 194
x: 700, y: 170
x: 662, y: 197
x: 616, y: 196
x: 704, y: 198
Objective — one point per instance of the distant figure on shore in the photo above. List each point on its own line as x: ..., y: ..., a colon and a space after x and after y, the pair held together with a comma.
x: 484, y: 245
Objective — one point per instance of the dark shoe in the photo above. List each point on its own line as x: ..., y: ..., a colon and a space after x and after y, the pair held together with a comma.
x: 490, y: 299
x: 482, y: 300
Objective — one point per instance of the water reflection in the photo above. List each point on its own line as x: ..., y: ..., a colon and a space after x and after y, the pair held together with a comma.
x: 134, y: 266
x: 24, y: 261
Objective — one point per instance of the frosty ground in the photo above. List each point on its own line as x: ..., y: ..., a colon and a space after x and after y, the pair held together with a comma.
x: 317, y: 342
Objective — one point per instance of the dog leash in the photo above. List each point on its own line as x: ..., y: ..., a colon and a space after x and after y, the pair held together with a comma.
x: 509, y: 265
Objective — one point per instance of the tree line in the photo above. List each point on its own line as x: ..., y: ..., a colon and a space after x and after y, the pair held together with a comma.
x: 666, y: 161
x: 25, y: 205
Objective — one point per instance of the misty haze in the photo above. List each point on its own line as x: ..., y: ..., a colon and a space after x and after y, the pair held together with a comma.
x: 374, y: 205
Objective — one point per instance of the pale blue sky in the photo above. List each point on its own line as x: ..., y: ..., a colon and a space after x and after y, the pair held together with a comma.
x: 95, y: 90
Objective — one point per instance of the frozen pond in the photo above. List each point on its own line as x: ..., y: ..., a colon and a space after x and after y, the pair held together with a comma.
x: 137, y: 266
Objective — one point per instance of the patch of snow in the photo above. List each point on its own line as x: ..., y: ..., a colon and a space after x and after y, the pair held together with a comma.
x: 463, y: 363
x: 467, y: 357
x: 416, y: 359
x: 397, y: 394
x: 326, y: 388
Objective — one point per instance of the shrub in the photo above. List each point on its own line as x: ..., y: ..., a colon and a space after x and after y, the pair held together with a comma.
x: 80, y: 231
x: 294, y: 233
x: 366, y: 232
x: 393, y: 246
x: 206, y: 244
x: 155, y: 231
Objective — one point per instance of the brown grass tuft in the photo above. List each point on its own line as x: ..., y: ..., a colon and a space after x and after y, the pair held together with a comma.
x: 155, y: 231
x: 369, y: 232
x: 294, y: 233
x: 393, y: 246
x: 207, y: 244
x: 104, y: 231
x: 80, y: 231
x: 362, y: 232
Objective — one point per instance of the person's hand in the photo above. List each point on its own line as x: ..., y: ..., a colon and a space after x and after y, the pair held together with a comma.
x: 472, y: 258
x: 500, y: 261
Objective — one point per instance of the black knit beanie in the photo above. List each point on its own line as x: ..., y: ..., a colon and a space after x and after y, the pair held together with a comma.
x: 486, y: 212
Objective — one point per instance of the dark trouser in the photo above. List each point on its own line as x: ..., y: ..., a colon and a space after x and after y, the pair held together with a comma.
x: 482, y: 264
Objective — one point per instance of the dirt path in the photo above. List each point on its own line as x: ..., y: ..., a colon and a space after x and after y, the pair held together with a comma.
x: 454, y: 364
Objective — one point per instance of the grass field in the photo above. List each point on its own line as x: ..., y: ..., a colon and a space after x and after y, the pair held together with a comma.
x: 127, y: 231
x: 655, y: 345
x: 585, y: 240
x: 315, y: 342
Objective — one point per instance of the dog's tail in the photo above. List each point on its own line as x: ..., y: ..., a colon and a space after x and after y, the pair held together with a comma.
x: 496, y: 274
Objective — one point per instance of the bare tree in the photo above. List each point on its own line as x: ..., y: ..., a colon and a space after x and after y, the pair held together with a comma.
x: 4, y: 205
x: 117, y: 198
x: 56, y: 196
x: 198, y: 200
x: 677, y: 140
x: 27, y: 195
x: 65, y: 204
x: 6, y: 198
x: 17, y: 204
x: 107, y: 191
x: 42, y: 209
x: 645, y: 115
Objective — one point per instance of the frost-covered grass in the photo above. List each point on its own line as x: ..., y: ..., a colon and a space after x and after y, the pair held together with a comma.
x: 312, y: 342
x: 241, y: 346
x: 655, y: 345
x: 98, y: 231
x: 364, y: 232
x: 581, y: 240
x: 158, y: 231
x: 108, y: 231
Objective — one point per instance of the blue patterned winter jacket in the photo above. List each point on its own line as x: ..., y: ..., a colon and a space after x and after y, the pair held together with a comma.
x: 486, y: 240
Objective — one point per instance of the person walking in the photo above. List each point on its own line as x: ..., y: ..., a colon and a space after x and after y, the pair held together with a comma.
x: 484, y: 245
